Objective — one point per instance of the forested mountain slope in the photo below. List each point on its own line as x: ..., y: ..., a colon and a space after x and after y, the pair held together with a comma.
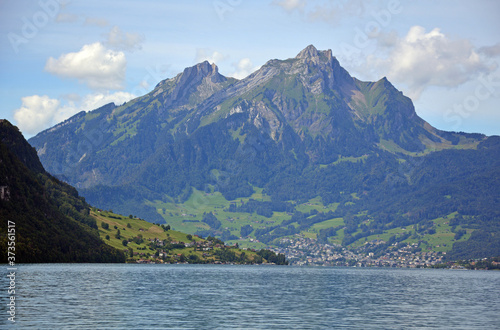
x: 51, y: 221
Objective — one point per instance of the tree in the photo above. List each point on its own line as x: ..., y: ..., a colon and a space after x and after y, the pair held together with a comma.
x: 131, y: 216
x: 210, y: 219
x: 124, y: 242
x: 189, y: 237
x: 105, y: 225
x: 118, y: 234
x: 128, y: 225
x: 107, y: 237
x: 243, y: 257
x: 246, y: 230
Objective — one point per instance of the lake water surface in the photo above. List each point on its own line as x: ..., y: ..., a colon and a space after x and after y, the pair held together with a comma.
x: 96, y: 296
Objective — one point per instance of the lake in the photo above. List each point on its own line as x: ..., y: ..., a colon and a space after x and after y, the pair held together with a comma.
x: 119, y: 296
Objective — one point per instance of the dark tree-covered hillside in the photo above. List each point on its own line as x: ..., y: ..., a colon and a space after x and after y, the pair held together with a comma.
x: 52, y: 222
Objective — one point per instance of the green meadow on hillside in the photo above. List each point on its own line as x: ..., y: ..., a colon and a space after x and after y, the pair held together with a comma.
x: 142, y: 240
x: 437, y: 235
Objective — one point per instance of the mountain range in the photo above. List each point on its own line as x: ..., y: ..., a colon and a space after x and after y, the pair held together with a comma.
x: 299, y: 147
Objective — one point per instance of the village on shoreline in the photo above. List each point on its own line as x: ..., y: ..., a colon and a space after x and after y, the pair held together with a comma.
x: 302, y: 251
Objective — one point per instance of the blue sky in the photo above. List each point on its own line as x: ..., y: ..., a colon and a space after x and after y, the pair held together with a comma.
x: 58, y: 57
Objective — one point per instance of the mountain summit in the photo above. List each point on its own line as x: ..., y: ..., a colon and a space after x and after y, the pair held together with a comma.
x: 295, y: 129
x: 308, y: 52
x: 197, y: 82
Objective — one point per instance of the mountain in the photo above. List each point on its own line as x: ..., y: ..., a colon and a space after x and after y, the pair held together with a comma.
x: 257, y: 150
x: 50, y: 222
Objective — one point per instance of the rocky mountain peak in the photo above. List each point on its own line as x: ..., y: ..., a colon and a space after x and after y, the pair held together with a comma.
x: 323, y: 71
x: 203, y: 79
x: 308, y: 52
x: 195, y: 74
x: 205, y: 68
x: 201, y: 71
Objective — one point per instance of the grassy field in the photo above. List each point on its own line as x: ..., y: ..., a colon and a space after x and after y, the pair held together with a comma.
x: 327, y: 224
x: 316, y: 204
x: 132, y: 228
x: 187, y: 217
x: 441, y: 241
x: 137, y: 227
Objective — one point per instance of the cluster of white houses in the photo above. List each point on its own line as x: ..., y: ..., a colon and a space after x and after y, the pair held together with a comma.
x: 306, y: 251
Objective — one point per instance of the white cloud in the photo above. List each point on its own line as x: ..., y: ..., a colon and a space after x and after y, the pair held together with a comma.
x: 96, y: 100
x: 93, y: 65
x: 35, y: 113
x: 204, y: 54
x: 422, y: 59
x: 41, y: 112
x: 243, y: 68
x: 117, y: 39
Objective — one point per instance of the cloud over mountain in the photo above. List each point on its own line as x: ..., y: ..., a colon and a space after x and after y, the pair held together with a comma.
x: 94, y: 65
x: 205, y: 54
x: 39, y: 112
x: 244, y: 67
x: 35, y: 112
x: 422, y: 59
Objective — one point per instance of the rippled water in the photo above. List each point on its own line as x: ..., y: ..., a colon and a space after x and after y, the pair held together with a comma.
x: 257, y: 297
